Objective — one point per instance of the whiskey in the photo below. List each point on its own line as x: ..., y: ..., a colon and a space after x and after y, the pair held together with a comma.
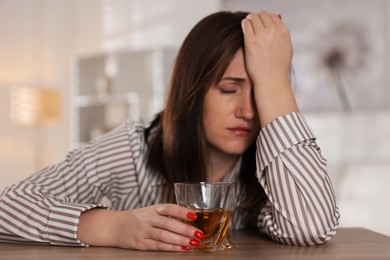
x: 215, y: 224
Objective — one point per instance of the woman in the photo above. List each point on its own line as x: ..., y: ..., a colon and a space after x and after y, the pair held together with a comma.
x: 230, y: 116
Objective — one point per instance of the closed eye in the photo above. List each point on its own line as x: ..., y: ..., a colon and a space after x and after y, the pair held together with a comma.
x: 230, y: 85
x: 227, y: 91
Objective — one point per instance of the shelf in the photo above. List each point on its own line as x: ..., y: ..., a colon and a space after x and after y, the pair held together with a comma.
x: 108, y: 88
x: 86, y: 101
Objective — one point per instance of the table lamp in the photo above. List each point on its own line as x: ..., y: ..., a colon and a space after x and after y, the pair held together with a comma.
x: 37, y: 108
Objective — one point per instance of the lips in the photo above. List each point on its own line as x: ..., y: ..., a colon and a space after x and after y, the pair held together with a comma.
x: 241, y: 131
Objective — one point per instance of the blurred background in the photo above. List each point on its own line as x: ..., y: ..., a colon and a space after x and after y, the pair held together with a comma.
x: 71, y: 70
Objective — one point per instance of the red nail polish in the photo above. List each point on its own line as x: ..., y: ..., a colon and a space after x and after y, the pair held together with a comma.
x: 280, y: 16
x: 186, y: 248
x: 194, y: 242
x: 198, y: 235
x: 191, y: 215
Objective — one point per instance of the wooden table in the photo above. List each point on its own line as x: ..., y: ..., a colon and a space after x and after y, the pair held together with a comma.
x: 350, y: 243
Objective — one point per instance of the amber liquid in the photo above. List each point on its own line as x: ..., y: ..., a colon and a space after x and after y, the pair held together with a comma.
x: 215, y: 224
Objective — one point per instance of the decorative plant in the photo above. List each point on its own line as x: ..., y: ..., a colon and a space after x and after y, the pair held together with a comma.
x: 343, y: 49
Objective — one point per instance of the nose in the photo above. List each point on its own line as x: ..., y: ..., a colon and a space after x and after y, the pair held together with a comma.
x: 246, y: 107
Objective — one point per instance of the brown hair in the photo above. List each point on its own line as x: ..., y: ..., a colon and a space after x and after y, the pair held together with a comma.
x: 177, y: 150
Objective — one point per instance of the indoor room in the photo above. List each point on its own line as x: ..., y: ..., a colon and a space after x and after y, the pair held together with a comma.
x: 71, y: 71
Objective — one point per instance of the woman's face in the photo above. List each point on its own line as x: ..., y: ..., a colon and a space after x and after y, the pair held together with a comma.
x: 230, y: 117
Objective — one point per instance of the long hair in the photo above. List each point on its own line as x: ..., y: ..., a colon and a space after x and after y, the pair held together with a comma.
x: 178, y: 149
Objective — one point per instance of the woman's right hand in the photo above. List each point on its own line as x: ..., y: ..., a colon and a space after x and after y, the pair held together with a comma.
x: 156, y: 227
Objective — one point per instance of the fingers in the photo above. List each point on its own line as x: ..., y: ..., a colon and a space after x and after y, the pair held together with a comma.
x: 166, y: 211
x: 266, y: 19
x: 176, y: 211
x: 159, y: 227
x: 155, y: 245
x: 247, y: 28
x: 173, y: 230
x: 257, y: 22
x: 166, y: 236
x: 174, y: 226
x: 276, y: 18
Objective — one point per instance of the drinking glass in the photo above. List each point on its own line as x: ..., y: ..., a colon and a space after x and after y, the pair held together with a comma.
x: 213, y: 203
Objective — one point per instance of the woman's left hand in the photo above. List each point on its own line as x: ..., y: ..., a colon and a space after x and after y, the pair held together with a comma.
x: 268, y: 47
x: 268, y: 56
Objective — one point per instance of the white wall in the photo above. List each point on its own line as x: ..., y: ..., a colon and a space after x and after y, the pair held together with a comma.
x: 150, y: 23
x: 38, y: 38
x: 357, y: 148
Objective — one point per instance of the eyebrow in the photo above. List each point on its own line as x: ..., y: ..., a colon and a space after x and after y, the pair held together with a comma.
x: 236, y: 79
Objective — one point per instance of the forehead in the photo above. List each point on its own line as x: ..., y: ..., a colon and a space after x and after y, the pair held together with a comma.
x: 236, y: 67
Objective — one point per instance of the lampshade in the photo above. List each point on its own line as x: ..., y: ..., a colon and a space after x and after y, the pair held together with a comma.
x: 35, y: 106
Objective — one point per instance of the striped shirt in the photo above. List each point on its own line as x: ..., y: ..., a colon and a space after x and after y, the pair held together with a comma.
x: 298, y: 207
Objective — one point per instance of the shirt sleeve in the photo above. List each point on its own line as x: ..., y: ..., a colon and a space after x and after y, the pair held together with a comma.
x: 46, y: 207
x: 300, y: 208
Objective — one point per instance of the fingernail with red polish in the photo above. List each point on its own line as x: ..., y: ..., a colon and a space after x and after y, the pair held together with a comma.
x: 186, y: 248
x: 191, y: 215
x: 199, y: 235
x: 194, y: 242
x: 280, y: 16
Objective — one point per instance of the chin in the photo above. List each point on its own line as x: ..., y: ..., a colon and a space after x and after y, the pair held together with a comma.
x: 236, y: 150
